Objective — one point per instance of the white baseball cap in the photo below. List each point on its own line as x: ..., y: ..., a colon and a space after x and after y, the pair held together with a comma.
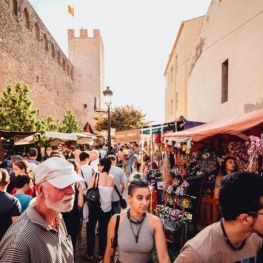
x: 58, y: 172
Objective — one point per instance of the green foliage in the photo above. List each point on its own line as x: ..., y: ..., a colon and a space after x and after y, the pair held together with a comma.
x: 69, y: 123
x: 51, y: 123
x: 122, y: 118
x: 16, y: 113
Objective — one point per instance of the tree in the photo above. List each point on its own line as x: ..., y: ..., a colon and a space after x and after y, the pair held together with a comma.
x: 122, y: 118
x: 16, y: 113
x: 51, y: 123
x: 69, y: 123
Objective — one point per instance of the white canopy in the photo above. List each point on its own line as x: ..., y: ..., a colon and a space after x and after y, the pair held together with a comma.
x: 81, y: 138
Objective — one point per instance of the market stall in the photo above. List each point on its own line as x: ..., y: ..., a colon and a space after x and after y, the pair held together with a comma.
x: 188, y: 186
x: 55, y: 138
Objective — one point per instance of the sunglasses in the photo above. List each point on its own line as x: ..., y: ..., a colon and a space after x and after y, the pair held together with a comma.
x: 140, y: 182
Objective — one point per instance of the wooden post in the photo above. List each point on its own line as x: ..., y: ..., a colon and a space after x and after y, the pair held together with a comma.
x: 2, y: 153
x: 199, y: 203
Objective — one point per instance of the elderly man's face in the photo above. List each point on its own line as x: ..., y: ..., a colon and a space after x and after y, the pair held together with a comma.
x: 59, y: 200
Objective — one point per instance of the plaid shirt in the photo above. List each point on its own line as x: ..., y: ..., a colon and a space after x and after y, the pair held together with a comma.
x: 30, y: 239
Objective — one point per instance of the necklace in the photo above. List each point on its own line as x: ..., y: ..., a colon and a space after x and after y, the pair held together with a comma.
x: 227, y: 240
x: 138, y: 224
x: 134, y: 220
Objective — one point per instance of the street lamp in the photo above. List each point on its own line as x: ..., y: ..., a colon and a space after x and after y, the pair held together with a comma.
x: 107, y: 94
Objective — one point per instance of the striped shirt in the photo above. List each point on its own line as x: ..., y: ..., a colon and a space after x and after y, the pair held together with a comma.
x: 30, y: 239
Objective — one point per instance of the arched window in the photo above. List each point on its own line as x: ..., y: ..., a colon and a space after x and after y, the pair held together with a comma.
x: 26, y: 19
x: 52, y: 51
x: 36, y: 31
x: 71, y: 73
x: 45, y: 42
x: 58, y: 58
x: 13, y: 6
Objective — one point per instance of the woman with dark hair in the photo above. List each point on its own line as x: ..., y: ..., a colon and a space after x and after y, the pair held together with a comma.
x: 139, y: 231
x: 22, y: 167
x: 228, y: 166
x: 100, y: 214
x: 145, y: 166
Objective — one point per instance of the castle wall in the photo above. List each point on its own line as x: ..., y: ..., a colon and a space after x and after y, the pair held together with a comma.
x: 29, y: 54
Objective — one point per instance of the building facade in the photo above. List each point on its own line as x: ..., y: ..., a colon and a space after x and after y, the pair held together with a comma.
x: 29, y: 54
x: 176, y: 71
x: 224, y: 70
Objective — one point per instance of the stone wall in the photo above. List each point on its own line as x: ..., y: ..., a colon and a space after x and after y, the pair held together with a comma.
x: 29, y: 54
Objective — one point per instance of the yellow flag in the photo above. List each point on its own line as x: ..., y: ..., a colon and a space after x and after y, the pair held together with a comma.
x: 71, y: 10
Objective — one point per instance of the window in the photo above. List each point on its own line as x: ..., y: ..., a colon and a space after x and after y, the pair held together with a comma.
x: 64, y: 64
x: 85, y: 106
x: 45, y: 42
x: 58, y: 58
x: 172, y: 106
x: 71, y: 74
x: 13, y: 6
x: 176, y: 64
x: 26, y: 19
x: 37, y: 79
x: 52, y: 51
x: 224, y: 91
x: 171, y: 74
x: 176, y: 101
x: 36, y: 31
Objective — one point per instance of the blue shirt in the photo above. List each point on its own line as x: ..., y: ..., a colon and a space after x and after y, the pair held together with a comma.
x: 24, y: 200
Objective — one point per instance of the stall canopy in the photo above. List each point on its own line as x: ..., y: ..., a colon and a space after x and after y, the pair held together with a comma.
x: 231, y: 125
x: 81, y: 138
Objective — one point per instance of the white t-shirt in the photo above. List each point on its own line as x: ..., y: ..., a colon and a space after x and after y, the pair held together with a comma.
x: 87, y: 172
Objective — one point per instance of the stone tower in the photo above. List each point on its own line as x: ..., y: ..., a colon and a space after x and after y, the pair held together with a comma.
x: 87, y: 57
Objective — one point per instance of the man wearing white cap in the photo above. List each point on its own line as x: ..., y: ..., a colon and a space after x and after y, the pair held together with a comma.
x: 40, y: 235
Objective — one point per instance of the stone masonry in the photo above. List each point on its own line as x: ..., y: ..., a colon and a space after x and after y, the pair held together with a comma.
x: 29, y: 54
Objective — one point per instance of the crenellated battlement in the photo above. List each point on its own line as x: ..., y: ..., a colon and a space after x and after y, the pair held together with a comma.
x: 83, y: 33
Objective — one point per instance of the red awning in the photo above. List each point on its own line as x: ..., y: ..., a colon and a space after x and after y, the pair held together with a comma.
x: 230, y: 125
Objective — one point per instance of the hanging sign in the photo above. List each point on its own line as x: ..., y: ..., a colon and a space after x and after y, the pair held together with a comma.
x: 206, y: 159
x: 127, y: 136
x: 23, y: 139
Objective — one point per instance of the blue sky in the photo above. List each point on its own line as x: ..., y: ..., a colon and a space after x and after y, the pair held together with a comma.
x: 138, y: 36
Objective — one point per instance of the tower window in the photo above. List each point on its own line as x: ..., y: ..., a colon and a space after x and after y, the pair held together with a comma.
x: 45, y: 42
x: 36, y: 31
x: 224, y: 89
x: 14, y: 6
x: 26, y: 19
x: 85, y: 106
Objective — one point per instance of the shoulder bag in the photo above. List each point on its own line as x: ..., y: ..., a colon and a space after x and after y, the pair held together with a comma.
x: 93, y: 194
x: 122, y: 200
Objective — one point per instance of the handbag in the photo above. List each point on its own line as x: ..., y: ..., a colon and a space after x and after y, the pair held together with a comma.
x: 93, y: 194
x: 122, y: 200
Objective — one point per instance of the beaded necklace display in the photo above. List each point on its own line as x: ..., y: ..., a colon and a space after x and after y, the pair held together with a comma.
x: 137, y: 223
x: 227, y: 240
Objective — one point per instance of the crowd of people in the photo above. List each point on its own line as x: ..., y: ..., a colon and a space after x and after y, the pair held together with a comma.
x: 43, y: 208
x: 47, y: 197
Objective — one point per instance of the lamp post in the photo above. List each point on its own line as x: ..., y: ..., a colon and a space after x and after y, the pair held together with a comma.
x: 107, y: 94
